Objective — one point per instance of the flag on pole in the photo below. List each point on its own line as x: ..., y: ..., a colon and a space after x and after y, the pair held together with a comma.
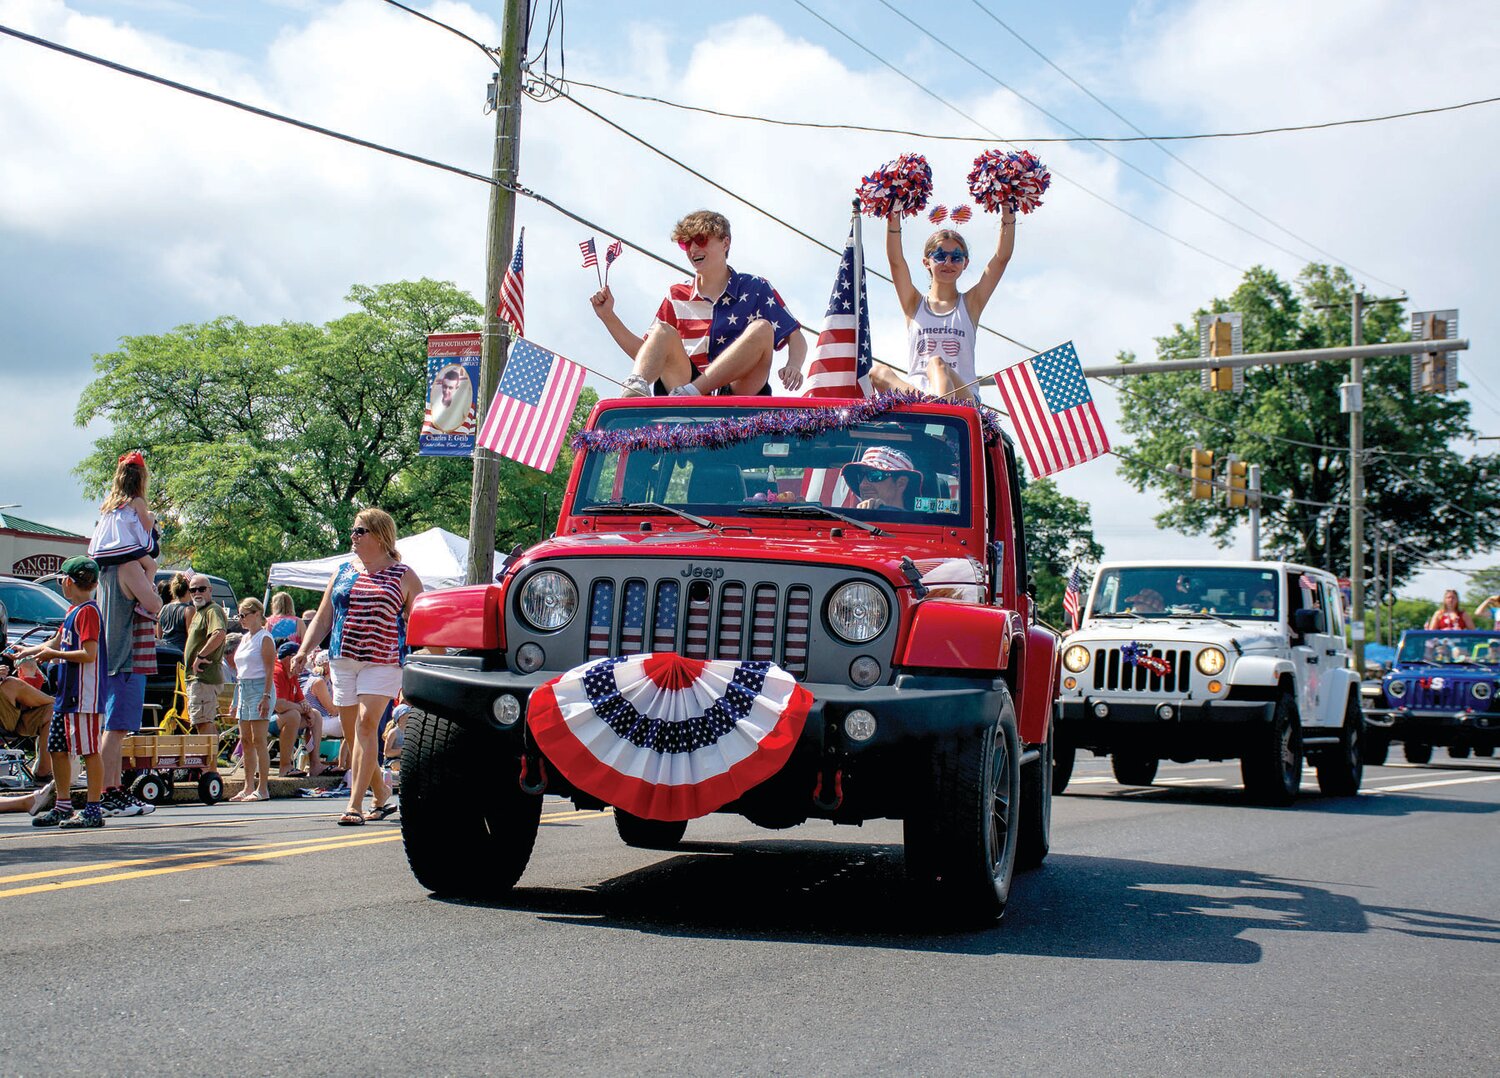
x: 529, y: 416
x: 841, y: 360
x: 1071, y: 596
x: 614, y: 251
x: 512, y: 306
x: 1052, y: 410
x: 590, y: 255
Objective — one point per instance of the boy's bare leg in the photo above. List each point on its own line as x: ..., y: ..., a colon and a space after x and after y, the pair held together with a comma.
x: 94, y: 768
x: 62, y: 774
x: 745, y: 364
x: 885, y: 379
x: 662, y: 356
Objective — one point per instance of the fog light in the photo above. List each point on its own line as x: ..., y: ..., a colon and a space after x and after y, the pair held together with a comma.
x: 529, y: 657
x: 507, y: 709
x: 1215, y: 686
x: 859, y: 725
x: 1164, y: 711
x: 864, y: 671
x: 1101, y: 710
x: 1070, y: 683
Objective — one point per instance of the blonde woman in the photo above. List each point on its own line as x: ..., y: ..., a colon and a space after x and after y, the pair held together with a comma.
x: 365, y: 605
x: 283, y: 622
x: 1450, y: 615
x: 941, y: 324
x: 255, y: 699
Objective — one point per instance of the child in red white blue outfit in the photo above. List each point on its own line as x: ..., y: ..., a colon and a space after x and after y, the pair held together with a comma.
x: 77, y: 714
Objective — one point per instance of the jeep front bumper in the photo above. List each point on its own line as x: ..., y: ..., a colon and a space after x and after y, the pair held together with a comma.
x: 1191, y: 729
x: 1438, y: 727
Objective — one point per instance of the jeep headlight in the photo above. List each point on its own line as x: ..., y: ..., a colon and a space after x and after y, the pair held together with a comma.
x: 1481, y: 690
x: 1395, y: 689
x: 1210, y: 661
x: 548, y: 601
x: 858, y: 612
x: 1076, y: 658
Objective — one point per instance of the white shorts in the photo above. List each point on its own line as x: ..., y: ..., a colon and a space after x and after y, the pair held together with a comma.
x: 353, y: 679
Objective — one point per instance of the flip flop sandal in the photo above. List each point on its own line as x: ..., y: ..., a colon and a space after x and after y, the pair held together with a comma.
x: 381, y: 812
x: 351, y: 819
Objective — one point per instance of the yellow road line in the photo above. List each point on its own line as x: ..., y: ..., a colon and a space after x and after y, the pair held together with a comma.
x: 217, y: 862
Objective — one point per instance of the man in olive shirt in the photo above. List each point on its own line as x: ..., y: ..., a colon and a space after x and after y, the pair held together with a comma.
x: 203, y: 657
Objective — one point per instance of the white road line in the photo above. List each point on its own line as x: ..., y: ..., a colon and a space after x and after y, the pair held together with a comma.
x: 1433, y: 782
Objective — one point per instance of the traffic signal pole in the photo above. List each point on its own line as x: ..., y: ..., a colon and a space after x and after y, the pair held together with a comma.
x: 1355, y: 404
x: 1272, y: 359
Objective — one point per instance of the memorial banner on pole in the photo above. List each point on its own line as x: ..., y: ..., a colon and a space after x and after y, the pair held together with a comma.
x: 452, y: 374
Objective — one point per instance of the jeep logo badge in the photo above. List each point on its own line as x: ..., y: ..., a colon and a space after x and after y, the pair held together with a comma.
x: 699, y: 572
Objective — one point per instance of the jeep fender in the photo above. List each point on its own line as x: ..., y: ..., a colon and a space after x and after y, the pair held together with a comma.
x: 466, y: 618
x: 949, y: 635
x: 1036, y: 692
x: 1260, y: 670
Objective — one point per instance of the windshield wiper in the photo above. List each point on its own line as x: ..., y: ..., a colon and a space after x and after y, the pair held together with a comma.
x: 1120, y: 614
x: 655, y: 507
x: 809, y: 510
x: 1202, y: 614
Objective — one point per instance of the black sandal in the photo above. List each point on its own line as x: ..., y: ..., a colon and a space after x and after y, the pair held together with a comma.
x: 351, y: 819
x: 380, y: 812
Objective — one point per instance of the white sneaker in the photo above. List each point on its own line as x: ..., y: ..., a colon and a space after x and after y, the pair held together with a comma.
x: 45, y: 798
x: 119, y: 803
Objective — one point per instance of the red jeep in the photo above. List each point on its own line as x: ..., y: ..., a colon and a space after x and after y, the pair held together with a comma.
x: 868, y: 554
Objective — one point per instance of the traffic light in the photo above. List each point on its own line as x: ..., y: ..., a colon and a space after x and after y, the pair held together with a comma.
x: 1220, y: 335
x: 1434, y: 372
x: 1203, y: 473
x: 1237, y: 479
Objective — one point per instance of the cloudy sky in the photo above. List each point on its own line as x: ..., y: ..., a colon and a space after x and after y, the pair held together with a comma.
x: 127, y: 208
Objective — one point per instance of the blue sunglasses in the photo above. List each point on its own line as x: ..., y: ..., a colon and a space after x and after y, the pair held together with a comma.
x: 941, y: 256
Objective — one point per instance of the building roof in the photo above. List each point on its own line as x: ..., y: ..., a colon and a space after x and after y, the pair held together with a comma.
x: 31, y: 527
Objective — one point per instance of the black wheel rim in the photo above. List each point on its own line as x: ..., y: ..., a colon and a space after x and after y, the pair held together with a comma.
x: 1000, y: 804
x: 1289, y: 766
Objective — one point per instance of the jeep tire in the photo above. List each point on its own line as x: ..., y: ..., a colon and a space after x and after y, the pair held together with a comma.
x: 1132, y: 770
x: 1062, y: 766
x: 1342, y: 767
x: 1271, y: 767
x: 1377, y: 747
x: 1037, y: 782
x: 1417, y: 752
x: 1458, y: 752
x: 961, y: 837
x: 649, y: 834
x: 468, y: 830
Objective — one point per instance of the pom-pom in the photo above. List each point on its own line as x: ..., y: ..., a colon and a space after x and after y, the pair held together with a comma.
x: 1015, y: 181
x: 906, y: 180
x: 961, y: 214
x: 938, y: 214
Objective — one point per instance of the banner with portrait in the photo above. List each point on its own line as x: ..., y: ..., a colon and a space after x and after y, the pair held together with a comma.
x: 452, y: 395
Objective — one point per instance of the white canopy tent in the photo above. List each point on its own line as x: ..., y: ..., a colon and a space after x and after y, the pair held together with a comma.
x: 439, y: 557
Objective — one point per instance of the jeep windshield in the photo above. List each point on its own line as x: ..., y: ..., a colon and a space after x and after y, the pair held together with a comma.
x: 898, y: 468
x: 1458, y: 649
x: 1157, y: 591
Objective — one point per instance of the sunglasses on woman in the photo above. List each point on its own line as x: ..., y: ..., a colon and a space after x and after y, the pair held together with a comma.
x: 355, y: 533
x: 940, y: 256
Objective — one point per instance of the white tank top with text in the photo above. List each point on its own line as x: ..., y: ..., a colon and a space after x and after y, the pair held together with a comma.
x: 949, y: 336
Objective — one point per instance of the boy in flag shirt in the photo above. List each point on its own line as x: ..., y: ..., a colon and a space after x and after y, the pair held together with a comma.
x: 714, y: 334
x: 77, y: 715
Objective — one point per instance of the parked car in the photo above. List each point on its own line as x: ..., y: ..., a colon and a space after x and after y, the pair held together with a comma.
x: 1441, y: 691
x: 219, y: 588
x: 1179, y: 660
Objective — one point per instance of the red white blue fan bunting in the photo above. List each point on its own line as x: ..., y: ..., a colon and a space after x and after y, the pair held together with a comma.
x: 669, y: 738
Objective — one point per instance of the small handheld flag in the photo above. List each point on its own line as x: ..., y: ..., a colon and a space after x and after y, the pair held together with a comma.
x: 1071, y: 596
x: 512, y: 306
x: 591, y: 257
x: 612, y: 252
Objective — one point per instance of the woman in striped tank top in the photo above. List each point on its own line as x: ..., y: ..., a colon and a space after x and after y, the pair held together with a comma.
x: 941, y: 325
x: 365, y: 605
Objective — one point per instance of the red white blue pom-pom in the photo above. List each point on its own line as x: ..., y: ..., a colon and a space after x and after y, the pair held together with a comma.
x: 961, y: 214
x: 1001, y: 180
x: 906, y: 180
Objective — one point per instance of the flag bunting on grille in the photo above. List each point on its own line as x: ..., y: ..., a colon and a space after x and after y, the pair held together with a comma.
x: 664, y: 737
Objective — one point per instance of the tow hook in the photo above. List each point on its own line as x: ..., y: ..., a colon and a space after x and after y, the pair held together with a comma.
x: 533, y: 765
x: 834, y: 785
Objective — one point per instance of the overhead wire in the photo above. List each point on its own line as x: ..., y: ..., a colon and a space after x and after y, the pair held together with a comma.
x: 703, y: 110
x: 1195, y: 171
x: 981, y: 126
x: 488, y: 52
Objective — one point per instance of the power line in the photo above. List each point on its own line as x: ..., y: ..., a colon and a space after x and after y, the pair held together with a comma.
x: 1217, y: 187
x: 1058, y: 175
x: 488, y: 52
x: 983, y: 139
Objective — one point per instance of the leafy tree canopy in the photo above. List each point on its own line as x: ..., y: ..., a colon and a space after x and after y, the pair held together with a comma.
x: 264, y: 441
x: 1420, y: 493
x: 1059, y: 535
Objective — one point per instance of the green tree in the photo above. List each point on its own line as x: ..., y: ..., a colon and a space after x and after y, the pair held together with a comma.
x: 1482, y: 584
x: 1432, y: 502
x: 264, y: 441
x: 1059, y: 535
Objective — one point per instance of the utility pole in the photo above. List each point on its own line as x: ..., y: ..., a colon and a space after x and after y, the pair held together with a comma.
x: 502, y: 226
x: 1354, y: 400
x: 1254, y: 502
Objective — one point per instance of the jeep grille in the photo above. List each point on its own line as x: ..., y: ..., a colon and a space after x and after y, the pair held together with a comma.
x: 1453, y: 696
x: 1111, y: 673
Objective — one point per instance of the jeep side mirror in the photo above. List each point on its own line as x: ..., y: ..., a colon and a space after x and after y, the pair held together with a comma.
x: 1308, y: 620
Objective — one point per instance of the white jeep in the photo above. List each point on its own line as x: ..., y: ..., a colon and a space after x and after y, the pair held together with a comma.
x: 1213, y: 660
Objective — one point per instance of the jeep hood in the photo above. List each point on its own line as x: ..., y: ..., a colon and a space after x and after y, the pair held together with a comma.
x: 1249, y: 635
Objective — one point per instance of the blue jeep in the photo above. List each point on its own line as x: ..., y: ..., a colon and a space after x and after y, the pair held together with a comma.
x: 1441, y: 691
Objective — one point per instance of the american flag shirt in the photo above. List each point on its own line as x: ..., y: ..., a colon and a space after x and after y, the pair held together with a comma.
x: 708, y: 327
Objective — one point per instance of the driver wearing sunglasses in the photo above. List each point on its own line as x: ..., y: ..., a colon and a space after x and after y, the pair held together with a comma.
x: 716, y: 333
x: 883, y: 478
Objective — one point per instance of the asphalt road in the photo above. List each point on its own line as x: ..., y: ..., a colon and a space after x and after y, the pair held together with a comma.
x: 1172, y: 931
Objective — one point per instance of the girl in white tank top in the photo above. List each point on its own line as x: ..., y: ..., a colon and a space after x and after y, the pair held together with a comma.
x: 941, y: 325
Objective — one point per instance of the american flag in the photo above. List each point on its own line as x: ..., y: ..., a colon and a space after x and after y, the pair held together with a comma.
x: 613, y: 251
x: 590, y: 255
x: 841, y: 359
x: 512, y: 307
x: 600, y: 615
x: 1071, y: 596
x: 530, y: 413
x: 1052, y: 410
x: 665, y: 636
x: 632, y: 630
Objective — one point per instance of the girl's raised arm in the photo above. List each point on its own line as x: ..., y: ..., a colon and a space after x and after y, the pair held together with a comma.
x: 980, y: 294
x: 906, y: 292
